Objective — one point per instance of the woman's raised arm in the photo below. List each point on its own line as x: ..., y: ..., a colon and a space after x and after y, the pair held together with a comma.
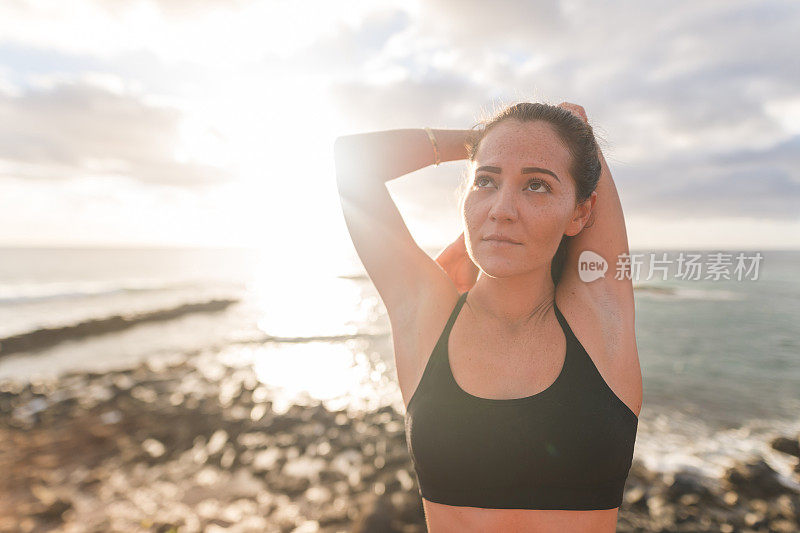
x: 604, y: 234
x: 401, y: 271
x: 385, y: 155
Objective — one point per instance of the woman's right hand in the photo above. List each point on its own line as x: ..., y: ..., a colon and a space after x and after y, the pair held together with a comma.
x: 455, y: 261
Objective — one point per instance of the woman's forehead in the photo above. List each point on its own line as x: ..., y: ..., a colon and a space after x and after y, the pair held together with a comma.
x: 522, y: 145
x: 513, y: 132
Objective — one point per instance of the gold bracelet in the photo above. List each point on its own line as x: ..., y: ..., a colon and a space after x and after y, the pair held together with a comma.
x: 435, y: 146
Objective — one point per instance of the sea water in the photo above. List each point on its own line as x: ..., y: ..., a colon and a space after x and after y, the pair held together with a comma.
x: 720, y: 359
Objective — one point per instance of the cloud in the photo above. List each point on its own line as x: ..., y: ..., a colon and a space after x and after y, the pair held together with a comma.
x: 214, y: 34
x: 344, y: 49
x: 691, y: 77
x: 88, y: 127
x: 756, y: 183
x: 471, y: 24
x: 686, y: 98
x: 435, y: 100
x: 180, y: 8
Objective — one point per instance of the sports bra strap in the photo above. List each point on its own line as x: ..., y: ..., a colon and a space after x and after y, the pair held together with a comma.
x: 568, y: 333
x: 454, y: 313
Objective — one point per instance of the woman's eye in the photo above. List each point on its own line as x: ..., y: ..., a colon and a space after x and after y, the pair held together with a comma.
x: 480, y: 179
x: 541, y: 186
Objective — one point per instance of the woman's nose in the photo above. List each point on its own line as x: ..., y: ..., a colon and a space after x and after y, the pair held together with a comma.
x: 503, y: 205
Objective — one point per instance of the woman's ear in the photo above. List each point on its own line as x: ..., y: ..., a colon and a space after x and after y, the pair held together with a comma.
x: 582, y: 216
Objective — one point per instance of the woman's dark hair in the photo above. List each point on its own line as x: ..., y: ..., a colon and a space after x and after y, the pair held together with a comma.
x: 576, y: 135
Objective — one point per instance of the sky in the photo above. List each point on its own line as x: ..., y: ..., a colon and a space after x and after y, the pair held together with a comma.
x: 212, y: 122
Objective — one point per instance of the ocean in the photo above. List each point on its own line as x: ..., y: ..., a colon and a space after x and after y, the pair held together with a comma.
x: 720, y: 358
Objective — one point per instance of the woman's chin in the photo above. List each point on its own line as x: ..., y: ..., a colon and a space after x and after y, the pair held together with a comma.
x: 497, y: 267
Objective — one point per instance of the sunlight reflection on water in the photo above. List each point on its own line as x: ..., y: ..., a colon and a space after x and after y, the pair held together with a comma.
x: 311, y: 306
x: 338, y: 374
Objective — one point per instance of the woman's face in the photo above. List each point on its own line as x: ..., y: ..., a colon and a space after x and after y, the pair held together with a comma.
x: 521, y: 189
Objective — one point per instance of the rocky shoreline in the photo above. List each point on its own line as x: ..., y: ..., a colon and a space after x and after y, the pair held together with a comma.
x: 188, y: 445
x: 50, y: 336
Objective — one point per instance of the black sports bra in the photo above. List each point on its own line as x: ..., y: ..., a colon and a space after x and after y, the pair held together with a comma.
x: 568, y: 447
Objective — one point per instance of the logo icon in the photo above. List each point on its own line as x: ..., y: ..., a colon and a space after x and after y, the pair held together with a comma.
x: 591, y: 266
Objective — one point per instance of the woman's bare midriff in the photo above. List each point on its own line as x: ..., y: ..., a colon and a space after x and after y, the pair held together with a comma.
x: 453, y: 519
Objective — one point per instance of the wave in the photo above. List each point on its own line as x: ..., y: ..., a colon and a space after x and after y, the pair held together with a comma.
x: 671, y: 441
x: 685, y: 293
x: 46, y: 337
x: 43, y: 292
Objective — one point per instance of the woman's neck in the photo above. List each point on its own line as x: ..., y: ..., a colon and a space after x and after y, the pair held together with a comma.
x: 512, y: 302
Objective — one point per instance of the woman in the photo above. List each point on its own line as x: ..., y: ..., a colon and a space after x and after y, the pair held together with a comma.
x: 522, y: 393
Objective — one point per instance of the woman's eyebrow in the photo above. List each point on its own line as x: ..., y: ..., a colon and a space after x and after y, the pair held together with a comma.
x: 526, y: 170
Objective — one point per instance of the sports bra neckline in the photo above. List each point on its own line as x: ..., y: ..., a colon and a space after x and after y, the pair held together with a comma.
x: 559, y: 378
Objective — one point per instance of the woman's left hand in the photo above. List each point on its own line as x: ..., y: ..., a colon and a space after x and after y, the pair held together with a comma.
x: 575, y: 109
x: 455, y: 261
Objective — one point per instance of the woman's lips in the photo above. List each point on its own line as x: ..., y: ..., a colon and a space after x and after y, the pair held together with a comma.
x: 497, y: 236
x: 496, y: 242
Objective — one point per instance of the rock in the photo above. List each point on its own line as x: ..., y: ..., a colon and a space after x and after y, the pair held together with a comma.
x: 787, y: 507
x: 636, y: 497
x: 730, y: 498
x: 786, y: 445
x: 782, y: 525
x: 153, y: 447
x: 376, y: 518
x: 755, y: 478
x: 408, y: 507
x: 639, y: 472
x: 334, y: 515
x: 756, y: 517
x: 165, y: 527
x: 660, y: 509
x: 216, y: 442
x: 55, y: 510
x: 686, y: 483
